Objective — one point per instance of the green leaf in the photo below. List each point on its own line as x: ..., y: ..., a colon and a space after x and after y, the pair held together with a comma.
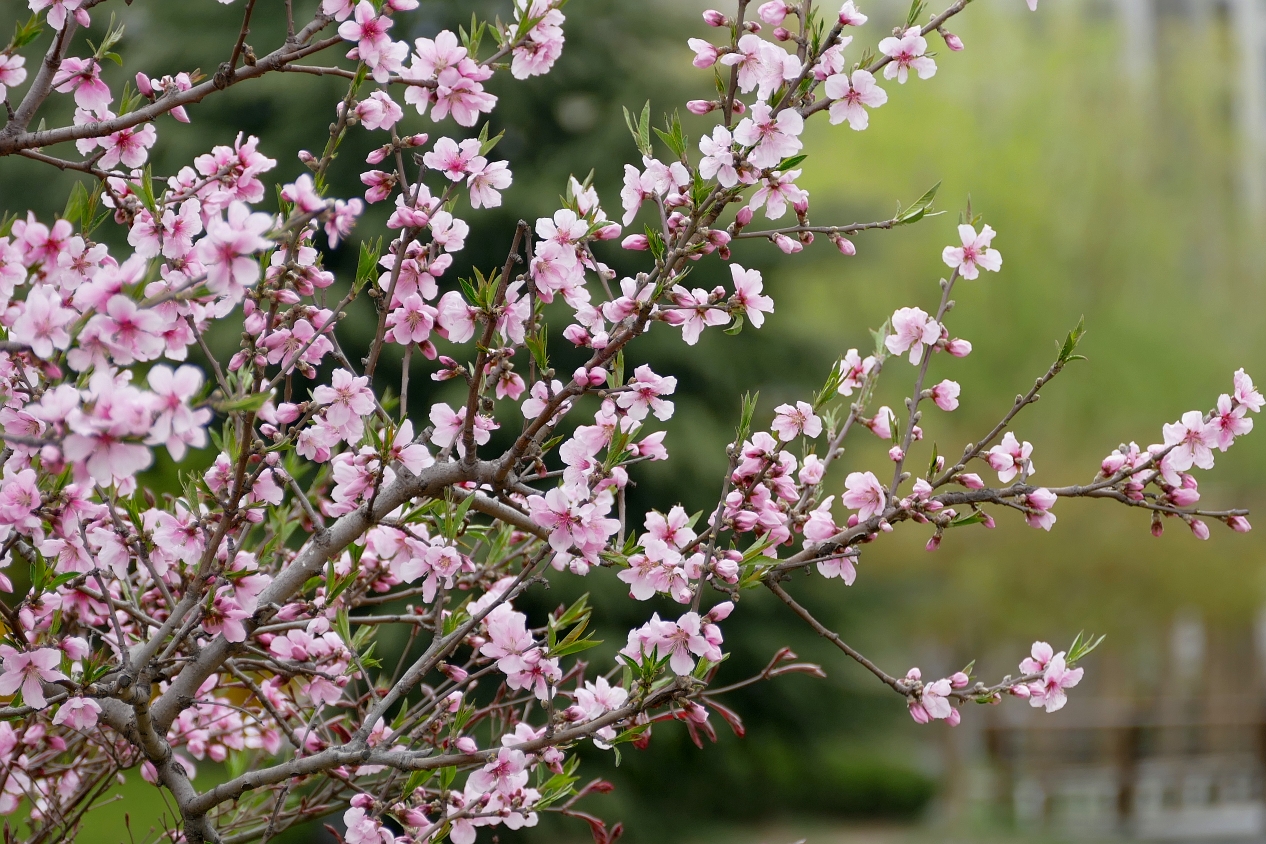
x: 967, y: 519
x: 367, y: 264
x: 919, y: 209
x: 251, y: 402
x: 486, y: 144
x: 736, y: 327
x: 25, y: 33
x: 916, y: 9
x: 641, y: 130
x: 787, y: 163
x: 1066, y: 352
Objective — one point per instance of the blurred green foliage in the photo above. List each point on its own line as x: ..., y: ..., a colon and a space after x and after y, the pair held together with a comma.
x: 1112, y: 201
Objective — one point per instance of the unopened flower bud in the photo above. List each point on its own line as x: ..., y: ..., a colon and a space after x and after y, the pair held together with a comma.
x: 989, y: 522
x: 714, y: 18
x: 1239, y: 524
x: 896, y: 453
x: 701, y: 106
x: 636, y: 242
x: 958, y: 348
x: 1158, y: 526
x: 1020, y: 691
x: 782, y: 34
x: 787, y: 245
x: 362, y: 801
x: 954, y: 718
x: 843, y: 244
x: 952, y: 41
x: 466, y: 744
x: 1200, y: 529
x: 933, y: 543
x: 959, y: 680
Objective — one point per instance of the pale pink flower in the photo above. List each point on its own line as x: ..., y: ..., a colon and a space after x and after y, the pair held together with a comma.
x: 346, y: 397
x: 945, y: 395
x: 849, y: 16
x: 1245, y: 393
x: 378, y: 111
x: 83, y: 77
x: 485, y: 183
x: 26, y: 669
x: 644, y: 394
x: 907, y: 52
x: 1192, y: 442
x: 12, y: 73
x: 772, y: 138
x: 229, y: 245
x: 1230, y: 421
x: 790, y: 421
x: 852, y: 95
x: 1041, y: 501
x: 78, y: 713
x: 748, y: 285
x: 853, y: 372
x: 1056, y: 677
x: 717, y: 162
x: 912, y: 329
x: 975, y: 254
x: 42, y: 323
x: 865, y: 494
x: 1009, y: 457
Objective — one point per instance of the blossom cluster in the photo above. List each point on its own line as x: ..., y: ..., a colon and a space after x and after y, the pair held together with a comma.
x: 236, y: 618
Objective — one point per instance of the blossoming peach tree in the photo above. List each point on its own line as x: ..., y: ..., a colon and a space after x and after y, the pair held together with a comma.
x: 236, y: 621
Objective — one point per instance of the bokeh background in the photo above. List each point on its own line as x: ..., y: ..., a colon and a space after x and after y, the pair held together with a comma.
x: 1116, y: 148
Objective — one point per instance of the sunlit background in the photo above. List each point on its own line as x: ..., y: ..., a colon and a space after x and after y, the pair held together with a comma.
x: 1118, y: 149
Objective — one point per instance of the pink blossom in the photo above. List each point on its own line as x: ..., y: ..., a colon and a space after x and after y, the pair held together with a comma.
x: 42, y: 323
x: 854, y: 371
x: 1041, y: 501
x: 83, y: 77
x: 346, y: 397
x: 644, y: 394
x: 176, y: 425
x: 849, y: 16
x: 905, y: 53
x: 363, y: 828
x: 1056, y: 677
x: 772, y: 138
x: 945, y: 395
x: 718, y: 162
x: 228, y: 246
x: 485, y: 183
x: 378, y: 111
x: 1230, y: 421
x: 12, y: 73
x: 411, y: 322
x: 792, y: 421
x: 128, y: 146
x: 78, y: 713
x: 912, y: 329
x: 975, y: 254
x: 852, y: 95
x: 696, y: 313
x: 1245, y: 393
x: 864, y: 494
x: 934, y: 699
x: 571, y: 521
x: 1009, y: 457
x: 26, y: 669
x: 1191, y: 442
x: 778, y: 190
